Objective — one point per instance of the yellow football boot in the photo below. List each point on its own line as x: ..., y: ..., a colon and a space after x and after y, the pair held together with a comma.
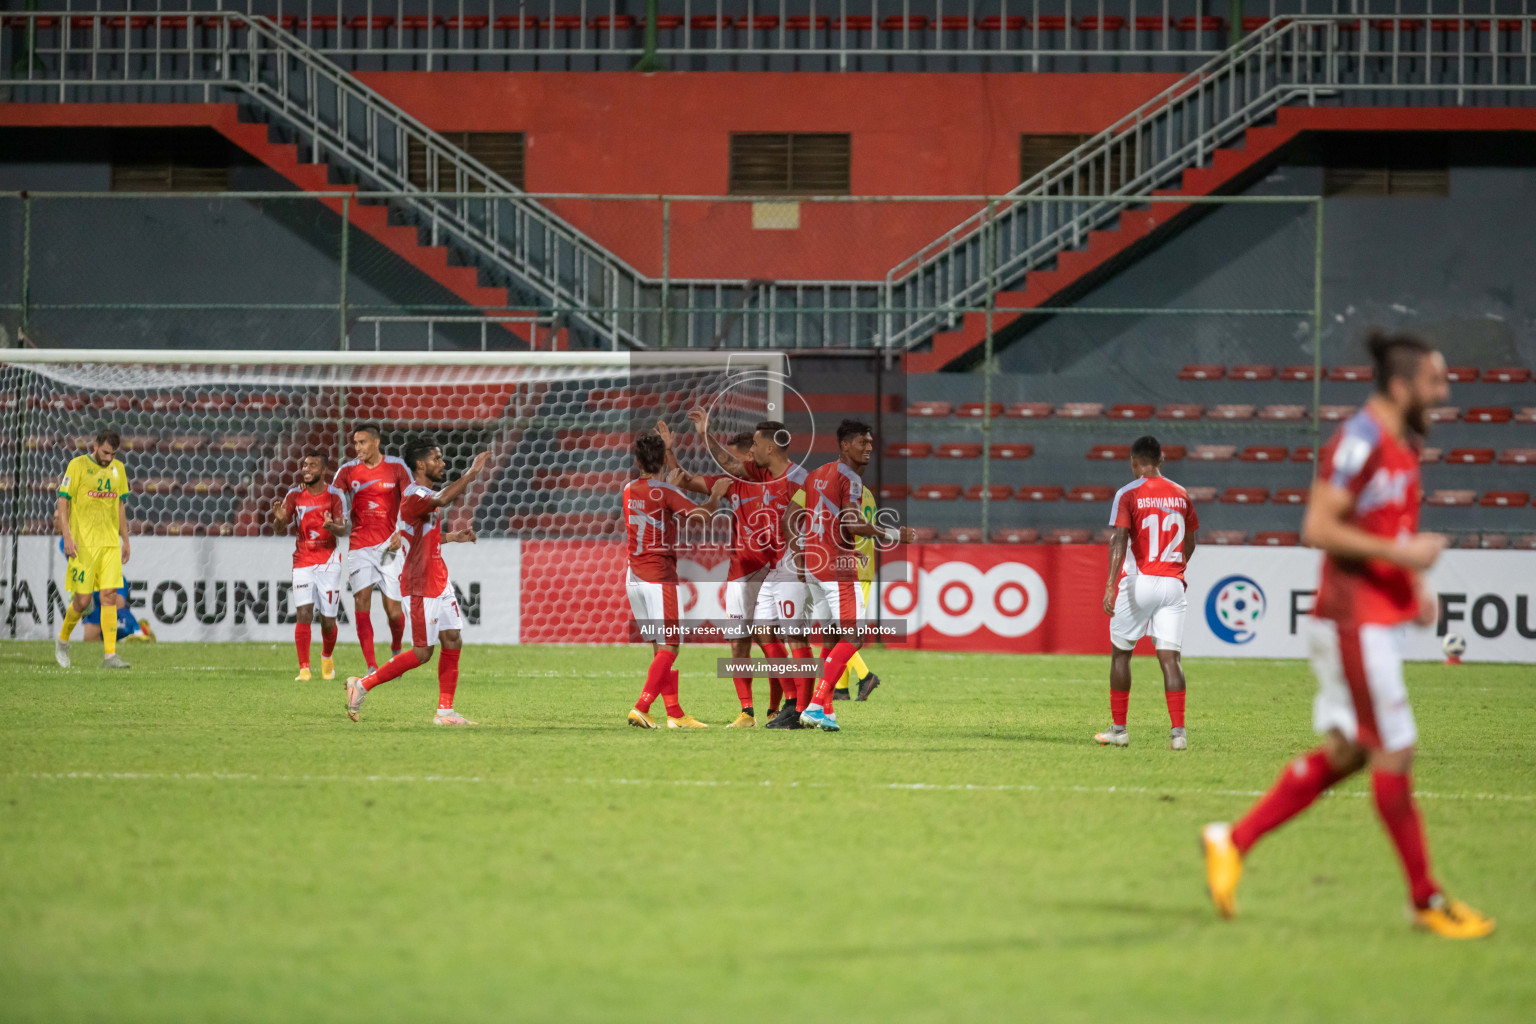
x: 743, y: 721
x: 1223, y: 866
x: 1452, y: 919
x: 303, y: 676
x: 327, y: 668
x: 685, y: 722
x: 640, y: 720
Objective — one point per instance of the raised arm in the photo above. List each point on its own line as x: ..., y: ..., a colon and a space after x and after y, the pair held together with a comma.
x: 450, y: 494
x: 704, y: 511
x: 1117, y: 545
x: 722, y: 455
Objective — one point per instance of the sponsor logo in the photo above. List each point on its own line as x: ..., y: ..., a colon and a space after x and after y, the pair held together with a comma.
x: 101, y: 494
x: 1234, y: 609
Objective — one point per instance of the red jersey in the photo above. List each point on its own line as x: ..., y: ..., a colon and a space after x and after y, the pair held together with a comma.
x: 652, y: 509
x: 306, y: 511
x: 757, y: 507
x: 373, y: 494
x: 1159, y: 515
x: 1382, y: 474
x: 826, y: 492
x: 424, y: 573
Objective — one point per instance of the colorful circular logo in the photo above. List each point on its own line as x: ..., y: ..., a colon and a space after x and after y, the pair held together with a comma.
x: 1234, y: 608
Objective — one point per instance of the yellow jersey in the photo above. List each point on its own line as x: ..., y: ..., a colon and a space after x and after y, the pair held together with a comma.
x: 864, y: 547
x: 94, y: 492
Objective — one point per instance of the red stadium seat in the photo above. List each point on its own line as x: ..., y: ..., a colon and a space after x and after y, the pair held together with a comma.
x: 1089, y: 492
x: 476, y: 22
x: 1202, y: 371
x: 1283, y: 413
x: 1506, y: 375
x: 802, y: 22
x: 1051, y: 22
x: 240, y: 443
x: 996, y: 492
x: 1075, y: 535
x: 1231, y: 412
x: 585, y: 525
x: 267, y: 401
x: 1429, y: 455
x: 908, y: 450
x: 1264, y: 453
x: 603, y: 399
x: 1213, y: 452
x: 1173, y: 452
x: 1493, y: 541
x: 1029, y: 410
x: 1208, y: 23
x: 1505, y: 499
x: 992, y: 23
x: 1470, y: 456
x: 929, y: 410
x: 1048, y: 492
x: 1134, y: 411
x: 1180, y: 411
x: 1151, y: 23
x: 974, y: 410
x: 1524, y: 542
x: 1296, y: 373
x: 188, y: 443
x: 708, y: 22
x: 962, y: 535
x: 1526, y: 415
x: 1335, y: 413
x: 1010, y: 450
x: 584, y: 480
x: 1451, y: 498
x: 1201, y: 495
x: 1340, y: 374
x: 1508, y: 457
x: 1080, y: 410
x: 1443, y: 414
x: 936, y: 492
x: 1302, y: 454
x: 1277, y: 538
x: 1291, y: 496
x: 858, y: 23
x: 957, y: 450
x: 1466, y: 540
x: 1489, y: 414
x: 1251, y: 373
x: 512, y: 22
x: 362, y: 22
x: 577, y: 440
x: 758, y: 23
x: 1109, y: 452
x: 1461, y: 374
x: 911, y: 22
x: 1244, y: 496
x: 113, y: 403
x: 1223, y: 537
x: 1015, y: 535
x: 895, y: 492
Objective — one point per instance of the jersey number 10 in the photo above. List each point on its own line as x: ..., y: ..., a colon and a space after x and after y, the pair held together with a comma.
x: 1171, y: 526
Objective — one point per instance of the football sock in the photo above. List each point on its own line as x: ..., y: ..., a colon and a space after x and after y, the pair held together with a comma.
x: 396, y: 631
x: 744, y: 691
x: 327, y: 640
x: 109, y: 628
x: 71, y: 620
x: 655, y: 680
x: 394, y: 668
x: 1176, y: 707
x: 837, y: 661
x: 365, y: 639
x: 1300, y: 783
x: 1119, y: 703
x: 669, y: 696
x: 776, y: 684
x: 447, y: 678
x: 775, y: 694
x: 301, y: 643
x: 1400, y: 815
x: 802, y: 683
x: 856, y: 664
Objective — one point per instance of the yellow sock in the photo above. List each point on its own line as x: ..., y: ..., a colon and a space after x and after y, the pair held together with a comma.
x: 71, y: 620
x: 109, y: 628
x: 856, y: 663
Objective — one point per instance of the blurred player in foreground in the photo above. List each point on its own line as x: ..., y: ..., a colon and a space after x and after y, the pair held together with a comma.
x: 318, y: 515
x: 652, y: 511
x: 373, y: 484
x: 430, y: 602
x: 93, y: 523
x: 1155, y: 526
x: 1364, y: 515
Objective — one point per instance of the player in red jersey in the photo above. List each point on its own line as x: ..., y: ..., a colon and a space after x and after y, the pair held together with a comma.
x: 428, y: 593
x: 319, y: 515
x: 1155, y: 526
x: 827, y: 516
x: 653, y: 508
x: 1364, y: 515
x: 373, y: 483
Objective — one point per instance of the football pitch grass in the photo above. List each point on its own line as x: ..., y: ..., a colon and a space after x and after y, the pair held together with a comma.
x: 204, y: 839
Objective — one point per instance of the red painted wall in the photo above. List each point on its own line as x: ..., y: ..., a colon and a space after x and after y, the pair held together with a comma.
x: 913, y: 134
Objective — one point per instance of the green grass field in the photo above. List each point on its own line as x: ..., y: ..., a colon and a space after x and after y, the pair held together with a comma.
x: 204, y: 839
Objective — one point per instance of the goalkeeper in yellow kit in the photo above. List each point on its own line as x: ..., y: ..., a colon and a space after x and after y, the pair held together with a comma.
x: 93, y: 523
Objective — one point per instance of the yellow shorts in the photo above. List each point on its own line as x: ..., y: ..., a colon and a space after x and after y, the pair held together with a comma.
x: 93, y: 569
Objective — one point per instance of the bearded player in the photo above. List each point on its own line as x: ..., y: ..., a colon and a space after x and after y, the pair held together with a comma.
x: 373, y: 484
x: 318, y: 516
x: 428, y: 593
x: 653, y: 510
x: 1155, y: 525
x: 93, y: 524
x: 1364, y: 515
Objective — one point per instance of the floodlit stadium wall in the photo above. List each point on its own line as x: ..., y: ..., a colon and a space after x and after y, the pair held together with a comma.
x: 1026, y: 599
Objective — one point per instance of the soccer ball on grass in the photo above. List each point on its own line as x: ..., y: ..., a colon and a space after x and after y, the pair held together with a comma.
x: 1454, y: 646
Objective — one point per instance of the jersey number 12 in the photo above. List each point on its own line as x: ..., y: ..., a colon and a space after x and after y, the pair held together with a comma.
x: 1172, y: 526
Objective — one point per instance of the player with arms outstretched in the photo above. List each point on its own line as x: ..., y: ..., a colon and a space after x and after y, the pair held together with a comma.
x: 653, y: 509
x: 373, y: 484
x: 318, y: 516
x: 1155, y: 525
x: 1364, y: 515
x: 93, y: 522
x: 430, y: 603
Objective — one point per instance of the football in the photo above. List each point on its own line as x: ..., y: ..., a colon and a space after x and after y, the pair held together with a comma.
x: 1454, y: 645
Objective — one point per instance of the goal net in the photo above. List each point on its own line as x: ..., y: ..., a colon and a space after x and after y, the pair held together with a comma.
x: 211, y: 440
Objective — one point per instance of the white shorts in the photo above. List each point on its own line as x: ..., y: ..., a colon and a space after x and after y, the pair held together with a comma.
x: 1360, y: 689
x: 656, y: 602
x: 1149, y: 606
x: 838, y: 602
x: 741, y: 595
x: 428, y: 615
x: 781, y: 602
x: 366, y: 568
x: 318, y: 585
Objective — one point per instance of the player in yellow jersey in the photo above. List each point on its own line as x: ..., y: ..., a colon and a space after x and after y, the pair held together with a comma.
x: 864, y: 548
x: 93, y: 523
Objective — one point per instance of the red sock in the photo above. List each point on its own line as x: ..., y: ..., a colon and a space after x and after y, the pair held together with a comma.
x: 1119, y: 703
x: 775, y: 694
x: 802, y: 683
x: 1175, y: 707
x: 1394, y: 802
x: 655, y: 680
x: 396, y: 631
x: 836, y: 665
x: 365, y: 640
x: 669, y: 696
x: 1302, y: 782
x: 394, y: 668
x: 744, y: 691
x: 301, y: 641
x: 776, y: 687
x: 447, y: 678
x: 327, y: 640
